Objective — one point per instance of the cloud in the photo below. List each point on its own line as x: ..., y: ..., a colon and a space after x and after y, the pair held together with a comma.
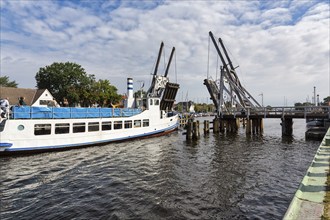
x: 281, y: 47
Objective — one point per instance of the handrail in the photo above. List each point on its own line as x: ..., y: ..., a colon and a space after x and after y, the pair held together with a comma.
x: 282, y: 111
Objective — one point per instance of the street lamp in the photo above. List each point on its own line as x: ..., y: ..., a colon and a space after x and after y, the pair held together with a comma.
x: 262, y: 99
x: 141, y: 87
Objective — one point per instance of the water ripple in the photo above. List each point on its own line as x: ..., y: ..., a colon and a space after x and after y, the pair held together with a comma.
x: 220, y: 176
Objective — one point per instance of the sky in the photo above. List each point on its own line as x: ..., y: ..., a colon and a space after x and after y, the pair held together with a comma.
x: 280, y: 48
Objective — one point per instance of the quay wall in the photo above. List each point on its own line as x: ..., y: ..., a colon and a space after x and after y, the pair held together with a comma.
x: 312, y: 198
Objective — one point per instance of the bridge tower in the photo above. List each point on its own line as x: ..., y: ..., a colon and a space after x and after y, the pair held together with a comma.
x: 227, y: 93
x: 161, y: 87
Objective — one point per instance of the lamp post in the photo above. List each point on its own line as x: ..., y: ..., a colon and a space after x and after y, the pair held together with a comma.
x: 262, y: 99
x: 141, y: 87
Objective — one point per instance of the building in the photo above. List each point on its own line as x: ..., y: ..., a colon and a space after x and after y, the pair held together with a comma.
x: 33, y: 97
x: 185, y: 107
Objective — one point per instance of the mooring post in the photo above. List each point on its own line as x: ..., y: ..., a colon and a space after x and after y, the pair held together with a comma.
x: 194, y: 131
x: 248, y: 126
x: 228, y: 125
x: 197, y: 129
x: 287, y: 129
x: 216, y: 125
x: 222, y: 125
x: 261, y: 125
x: 257, y: 126
x: 237, y: 123
x: 233, y: 125
x: 206, y: 126
x: 189, y: 129
x: 254, y: 125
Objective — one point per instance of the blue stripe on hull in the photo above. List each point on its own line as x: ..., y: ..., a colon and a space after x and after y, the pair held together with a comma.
x: 59, y: 147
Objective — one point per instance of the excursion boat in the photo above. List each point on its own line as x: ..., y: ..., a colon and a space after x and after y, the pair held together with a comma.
x: 37, y: 129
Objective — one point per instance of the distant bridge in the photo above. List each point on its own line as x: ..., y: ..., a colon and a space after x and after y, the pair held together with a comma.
x: 306, y: 112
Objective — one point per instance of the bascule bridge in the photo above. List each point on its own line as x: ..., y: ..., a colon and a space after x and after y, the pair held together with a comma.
x: 234, y: 103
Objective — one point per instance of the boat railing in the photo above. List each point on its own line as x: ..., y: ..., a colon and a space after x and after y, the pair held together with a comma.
x: 33, y: 112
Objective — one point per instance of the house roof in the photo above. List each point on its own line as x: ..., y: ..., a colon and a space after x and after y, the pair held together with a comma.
x: 13, y: 94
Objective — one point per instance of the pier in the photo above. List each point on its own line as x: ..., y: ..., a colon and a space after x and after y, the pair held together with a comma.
x: 252, y: 119
x: 312, y: 199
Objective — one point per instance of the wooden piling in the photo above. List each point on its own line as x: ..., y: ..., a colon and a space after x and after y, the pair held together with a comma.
x: 215, y: 125
x: 189, y: 130
x: 197, y: 129
x: 206, y: 126
x: 254, y: 126
x: 248, y: 126
x: 237, y: 123
x: 222, y: 125
x: 287, y: 129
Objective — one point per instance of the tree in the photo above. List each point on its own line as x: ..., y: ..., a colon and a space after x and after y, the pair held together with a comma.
x: 4, y: 81
x: 326, y: 101
x: 140, y: 93
x: 70, y: 81
x: 103, y: 93
x: 65, y: 80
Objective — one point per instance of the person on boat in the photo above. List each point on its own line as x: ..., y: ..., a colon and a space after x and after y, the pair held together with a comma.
x: 21, y: 101
x: 65, y: 102
x: 4, y: 106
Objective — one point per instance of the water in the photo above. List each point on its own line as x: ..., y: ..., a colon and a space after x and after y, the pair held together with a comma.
x: 219, y: 176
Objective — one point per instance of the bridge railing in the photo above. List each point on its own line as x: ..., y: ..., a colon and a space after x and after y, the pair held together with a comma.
x: 281, y: 111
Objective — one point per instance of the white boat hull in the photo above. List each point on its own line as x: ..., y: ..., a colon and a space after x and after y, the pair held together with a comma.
x: 18, y: 135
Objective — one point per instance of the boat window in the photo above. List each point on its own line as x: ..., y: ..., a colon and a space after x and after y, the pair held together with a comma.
x: 156, y: 101
x: 145, y: 122
x: 151, y: 101
x: 62, y: 128
x: 20, y: 127
x: 42, y: 129
x: 93, y: 126
x: 137, y: 123
x: 79, y: 127
x: 128, y: 124
x: 117, y: 125
x: 106, y: 125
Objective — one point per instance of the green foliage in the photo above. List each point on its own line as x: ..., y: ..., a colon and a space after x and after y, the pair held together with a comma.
x: 204, y: 107
x: 104, y: 93
x: 4, y: 81
x: 69, y: 80
x: 326, y: 101
x: 179, y: 108
x: 140, y: 93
